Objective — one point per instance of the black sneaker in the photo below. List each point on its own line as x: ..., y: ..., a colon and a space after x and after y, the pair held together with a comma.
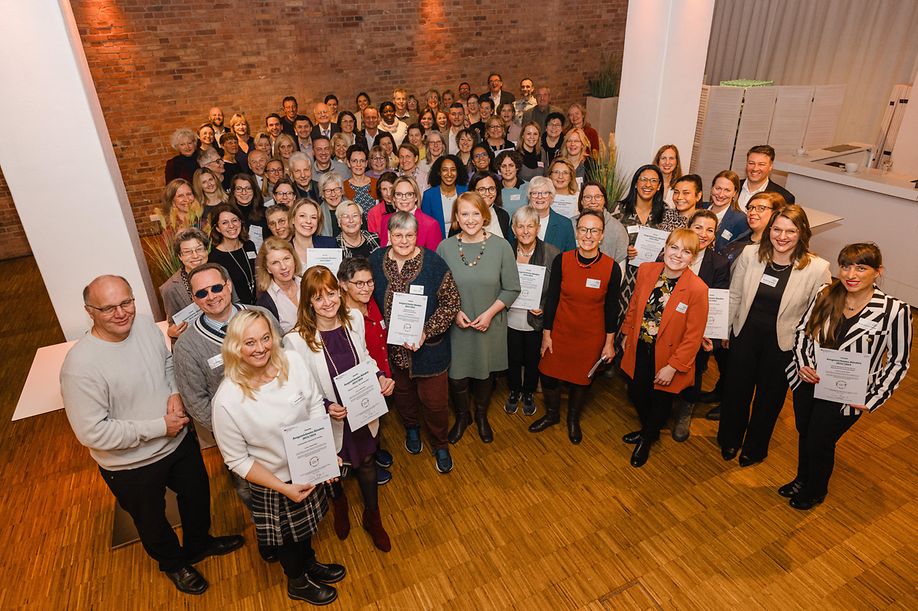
x: 529, y: 407
x: 443, y: 460
x: 512, y: 401
x: 383, y: 458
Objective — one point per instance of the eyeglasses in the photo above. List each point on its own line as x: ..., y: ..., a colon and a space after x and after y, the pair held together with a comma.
x: 200, y: 250
x: 332, y: 190
x: 275, y: 171
x: 649, y: 180
x: 230, y: 222
x: 539, y: 193
x: 242, y: 189
x: 377, y: 158
x: 479, y: 155
x: 488, y: 190
x: 758, y: 208
x: 560, y: 173
x: 350, y: 217
x: 589, y: 230
x: 593, y: 198
x: 362, y: 284
x: 126, y: 305
x: 216, y: 288
x: 409, y: 195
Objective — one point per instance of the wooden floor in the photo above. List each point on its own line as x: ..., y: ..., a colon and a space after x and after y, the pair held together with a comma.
x: 528, y: 522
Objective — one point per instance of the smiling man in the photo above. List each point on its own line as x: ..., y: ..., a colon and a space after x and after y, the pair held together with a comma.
x: 759, y: 161
x: 121, y: 400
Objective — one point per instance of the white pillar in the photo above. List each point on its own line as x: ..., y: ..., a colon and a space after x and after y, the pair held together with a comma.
x: 58, y: 161
x: 666, y: 47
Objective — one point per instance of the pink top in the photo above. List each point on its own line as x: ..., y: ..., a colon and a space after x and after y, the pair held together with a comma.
x: 429, y: 233
x: 374, y: 218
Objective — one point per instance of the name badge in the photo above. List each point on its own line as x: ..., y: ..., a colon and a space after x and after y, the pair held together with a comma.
x: 250, y: 254
x: 769, y: 280
x: 867, y: 325
x: 539, y: 164
x: 215, y: 361
x: 416, y: 289
x: 633, y: 229
x: 298, y: 401
x: 726, y: 234
x: 515, y: 197
x: 682, y: 307
x: 382, y: 324
x: 593, y: 283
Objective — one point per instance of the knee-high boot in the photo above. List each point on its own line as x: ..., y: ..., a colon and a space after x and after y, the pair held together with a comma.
x: 552, y: 410
x: 575, y: 403
x: 460, y: 399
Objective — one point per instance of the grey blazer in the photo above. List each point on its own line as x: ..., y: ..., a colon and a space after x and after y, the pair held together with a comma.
x: 802, y: 286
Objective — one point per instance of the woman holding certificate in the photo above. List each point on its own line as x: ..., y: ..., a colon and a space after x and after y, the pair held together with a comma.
x: 330, y: 338
x: 581, y: 312
x: 485, y: 273
x: 772, y: 285
x: 663, y: 330
x: 306, y: 220
x: 850, y: 315
x: 265, y: 390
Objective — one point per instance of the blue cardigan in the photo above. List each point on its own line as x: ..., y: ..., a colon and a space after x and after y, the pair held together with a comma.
x: 732, y: 228
x: 432, y: 205
x: 560, y: 232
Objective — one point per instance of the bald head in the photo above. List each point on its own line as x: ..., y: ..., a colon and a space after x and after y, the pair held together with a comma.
x: 102, y: 285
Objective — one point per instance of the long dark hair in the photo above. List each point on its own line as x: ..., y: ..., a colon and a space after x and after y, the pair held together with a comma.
x: 255, y: 211
x: 830, y: 302
x: 462, y: 177
x: 657, y: 207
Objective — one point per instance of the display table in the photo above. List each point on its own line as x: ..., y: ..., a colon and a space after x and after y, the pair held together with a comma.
x: 873, y: 206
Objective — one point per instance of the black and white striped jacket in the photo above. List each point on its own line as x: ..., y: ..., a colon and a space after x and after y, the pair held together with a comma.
x: 884, y: 327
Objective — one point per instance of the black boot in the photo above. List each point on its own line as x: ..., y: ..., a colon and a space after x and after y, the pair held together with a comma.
x: 460, y: 400
x: 481, y: 421
x: 683, y: 420
x: 552, y: 410
x: 574, y: 406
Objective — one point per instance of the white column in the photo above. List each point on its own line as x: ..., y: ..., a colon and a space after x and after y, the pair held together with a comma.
x: 666, y: 47
x: 58, y: 161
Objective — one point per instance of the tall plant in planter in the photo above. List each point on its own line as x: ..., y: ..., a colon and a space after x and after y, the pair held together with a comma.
x: 602, y: 101
x: 606, y: 172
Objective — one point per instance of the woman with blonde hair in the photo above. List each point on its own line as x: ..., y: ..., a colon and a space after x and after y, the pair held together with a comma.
x: 332, y: 340
x: 251, y: 408
x: 564, y: 178
x: 240, y: 126
x: 576, y: 150
x: 535, y: 160
x: 667, y: 159
x: 180, y: 207
x: 207, y: 189
x: 284, y: 146
x: 277, y: 278
x: 306, y: 222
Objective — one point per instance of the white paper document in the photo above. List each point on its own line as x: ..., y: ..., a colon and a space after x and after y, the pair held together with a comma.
x: 329, y: 257
x: 718, y: 326
x: 406, y: 322
x: 310, y: 449
x: 187, y: 314
x: 649, y: 244
x: 565, y: 205
x: 361, y: 395
x: 255, y: 234
x: 842, y: 376
x: 532, y: 277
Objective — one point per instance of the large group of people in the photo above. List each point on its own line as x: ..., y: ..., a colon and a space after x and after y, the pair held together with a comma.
x: 293, y: 244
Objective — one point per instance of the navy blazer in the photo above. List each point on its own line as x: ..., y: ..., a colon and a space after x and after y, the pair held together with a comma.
x: 317, y: 131
x: 432, y: 204
x: 715, y: 270
x: 732, y: 228
x: 560, y: 232
x: 324, y: 241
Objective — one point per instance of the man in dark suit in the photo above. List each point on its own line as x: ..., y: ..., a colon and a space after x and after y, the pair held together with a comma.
x: 759, y: 161
x: 324, y: 125
x: 495, y: 91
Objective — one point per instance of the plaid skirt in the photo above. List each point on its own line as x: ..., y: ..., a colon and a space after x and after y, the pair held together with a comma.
x: 278, y: 520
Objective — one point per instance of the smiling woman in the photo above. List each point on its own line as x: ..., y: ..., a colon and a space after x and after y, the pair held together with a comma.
x: 190, y: 246
x: 277, y: 272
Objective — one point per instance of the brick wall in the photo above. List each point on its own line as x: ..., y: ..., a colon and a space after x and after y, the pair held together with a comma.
x: 159, y: 65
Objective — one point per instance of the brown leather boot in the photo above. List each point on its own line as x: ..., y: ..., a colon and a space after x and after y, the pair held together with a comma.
x: 372, y: 523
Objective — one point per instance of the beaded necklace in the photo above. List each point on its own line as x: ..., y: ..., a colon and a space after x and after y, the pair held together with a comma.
x: 481, y: 252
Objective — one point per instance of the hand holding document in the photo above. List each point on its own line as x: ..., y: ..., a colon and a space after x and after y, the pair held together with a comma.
x: 310, y: 448
x: 718, y: 314
x: 649, y: 244
x: 842, y: 376
x: 361, y: 394
x: 329, y: 257
x: 532, y: 277
x: 187, y: 314
x: 406, y: 321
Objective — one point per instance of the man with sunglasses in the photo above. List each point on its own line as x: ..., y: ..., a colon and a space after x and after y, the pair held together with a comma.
x: 121, y: 400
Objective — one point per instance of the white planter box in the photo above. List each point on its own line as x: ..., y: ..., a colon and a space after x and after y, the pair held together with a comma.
x: 601, y: 115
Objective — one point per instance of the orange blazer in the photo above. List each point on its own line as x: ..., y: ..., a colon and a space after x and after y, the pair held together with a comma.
x: 681, y: 328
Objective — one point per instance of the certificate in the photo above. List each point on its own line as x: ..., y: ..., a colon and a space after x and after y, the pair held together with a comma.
x: 532, y: 277
x: 310, y: 448
x: 359, y: 390
x: 255, y: 234
x: 329, y: 257
x: 718, y: 314
x: 842, y: 376
x: 406, y: 321
x: 649, y: 244
x: 187, y: 314
x: 565, y: 205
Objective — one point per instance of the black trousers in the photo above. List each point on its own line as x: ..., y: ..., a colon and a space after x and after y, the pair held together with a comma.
x: 691, y: 393
x: 523, y: 360
x: 295, y: 557
x: 722, y: 358
x: 820, y: 424
x: 757, y: 366
x: 142, y: 493
x: 653, y: 406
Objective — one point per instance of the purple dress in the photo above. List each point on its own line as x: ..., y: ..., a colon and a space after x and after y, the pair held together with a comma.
x: 341, y: 355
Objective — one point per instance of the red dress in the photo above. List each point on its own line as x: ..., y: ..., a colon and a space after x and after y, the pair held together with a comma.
x: 579, y: 329
x: 376, y: 337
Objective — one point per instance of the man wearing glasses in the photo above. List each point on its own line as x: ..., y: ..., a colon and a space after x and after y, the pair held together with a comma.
x: 121, y: 400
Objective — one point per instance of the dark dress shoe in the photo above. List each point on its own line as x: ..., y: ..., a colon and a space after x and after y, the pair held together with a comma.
x: 805, y: 504
x: 303, y: 588
x: 268, y: 553
x: 632, y: 437
x: 709, y: 397
x: 791, y: 489
x: 746, y: 461
x: 713, y: 414
x: 325, y: 573
x: 641, y: 453
x: 543, y: 423
x: 218, y: 547
x: 729, y: 453
x: 188, y: 580
x: 455, y: 434
x: 485, y: 433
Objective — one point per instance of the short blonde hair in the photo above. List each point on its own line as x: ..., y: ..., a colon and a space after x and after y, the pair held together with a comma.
x: 688, y: 238
x: 263, y: 277
x: 305, y: 201
x: 235, y: 368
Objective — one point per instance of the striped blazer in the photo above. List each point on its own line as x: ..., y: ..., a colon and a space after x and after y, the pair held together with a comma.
x: 883, y: 327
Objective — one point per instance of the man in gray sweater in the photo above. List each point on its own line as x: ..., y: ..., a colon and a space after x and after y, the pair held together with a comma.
x: 120, y: 398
